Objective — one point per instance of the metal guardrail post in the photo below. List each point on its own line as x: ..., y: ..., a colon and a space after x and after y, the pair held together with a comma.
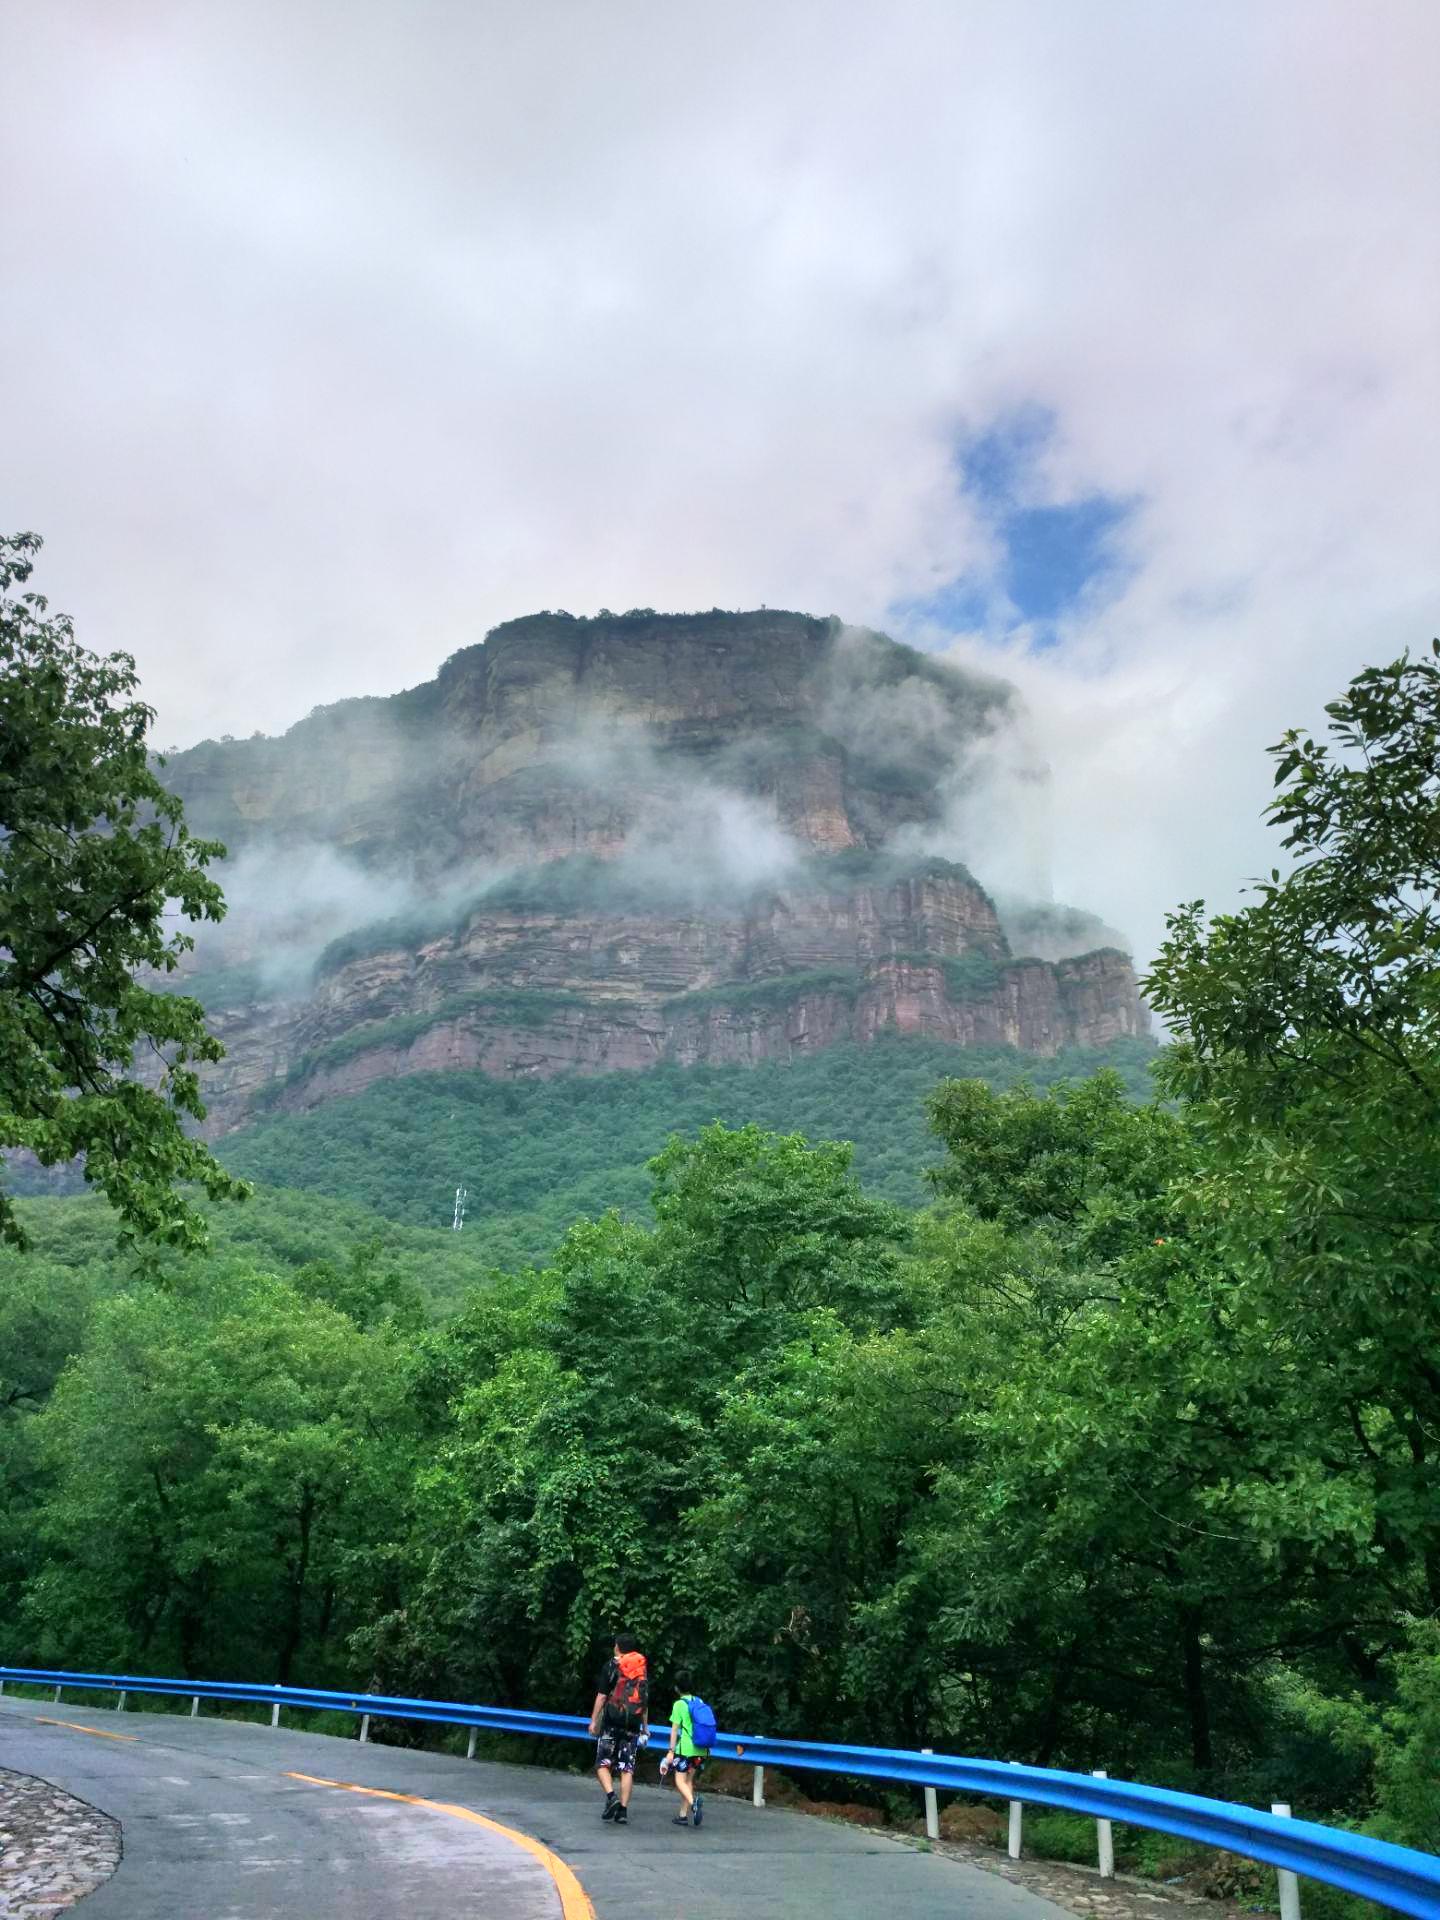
x: 470, y: 1750
x: 932, y: 1808
x: 275, y: 1714
x: 121, y: 1707
x: 1289, y: 1884
x: 364, y: 1728
x: 1017, y: 1815
x: 195, y: 1706
x: 757, y: 1788
x: 1105, y: 1839
x: 57, y: 1696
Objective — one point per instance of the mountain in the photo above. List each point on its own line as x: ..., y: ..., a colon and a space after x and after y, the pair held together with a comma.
x: 625, y: 842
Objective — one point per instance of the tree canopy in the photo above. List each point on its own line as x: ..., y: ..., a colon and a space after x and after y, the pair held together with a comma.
x: 95, y: 859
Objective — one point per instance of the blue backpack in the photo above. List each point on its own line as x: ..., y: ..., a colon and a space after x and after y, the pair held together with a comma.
x: 702, y: 1722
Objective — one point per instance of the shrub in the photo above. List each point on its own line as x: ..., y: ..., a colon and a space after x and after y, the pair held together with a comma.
x: 779, y: 990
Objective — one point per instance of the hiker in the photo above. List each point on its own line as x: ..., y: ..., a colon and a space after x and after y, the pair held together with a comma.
x: 692, y: 1734
x: 617, y: 1721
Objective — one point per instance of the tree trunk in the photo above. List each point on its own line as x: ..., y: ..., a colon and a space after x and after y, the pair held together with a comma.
x: 327, y: 1612
x: 1196, y: 1702
x: 1061, y: 1683
x: 299, y: 1572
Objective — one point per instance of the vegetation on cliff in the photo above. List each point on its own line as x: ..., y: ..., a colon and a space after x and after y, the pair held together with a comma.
x: 537, y: 1155
x: 515, y: 1006
x: 967, y: 976
x: 583, y: 884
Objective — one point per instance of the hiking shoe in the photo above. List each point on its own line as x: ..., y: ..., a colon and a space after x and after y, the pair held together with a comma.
x: 699, y: 1809
x: 612, y: 1807
x: 622, y: 1818
x: 679, y: 1821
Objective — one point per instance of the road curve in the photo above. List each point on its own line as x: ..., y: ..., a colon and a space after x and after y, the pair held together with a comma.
x: 223, y: 1820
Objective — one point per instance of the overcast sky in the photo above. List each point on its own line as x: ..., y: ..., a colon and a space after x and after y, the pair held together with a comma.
x: 1096, y: 340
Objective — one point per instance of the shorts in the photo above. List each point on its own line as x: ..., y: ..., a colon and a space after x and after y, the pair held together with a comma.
x: 617, y: 1751
x: 690, y: 1763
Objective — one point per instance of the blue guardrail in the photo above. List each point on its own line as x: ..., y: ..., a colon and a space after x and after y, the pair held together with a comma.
x: 1397, y: 1877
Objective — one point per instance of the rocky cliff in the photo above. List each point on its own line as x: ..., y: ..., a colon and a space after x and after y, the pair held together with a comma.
x: 558, y: 736
x: 600, y: 844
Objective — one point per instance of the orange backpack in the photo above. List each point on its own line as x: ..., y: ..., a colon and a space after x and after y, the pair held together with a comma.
x: 629, y: 1698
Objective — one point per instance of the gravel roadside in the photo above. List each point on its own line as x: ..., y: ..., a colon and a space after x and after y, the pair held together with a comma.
x: 1081, y: 1890
x: 54, y: 1849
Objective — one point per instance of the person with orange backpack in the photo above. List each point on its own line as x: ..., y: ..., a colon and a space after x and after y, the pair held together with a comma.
x: 618, y: 1724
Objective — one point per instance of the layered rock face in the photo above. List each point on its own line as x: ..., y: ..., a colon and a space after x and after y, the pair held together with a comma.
x: 601, y: 844
x: 558, y: 736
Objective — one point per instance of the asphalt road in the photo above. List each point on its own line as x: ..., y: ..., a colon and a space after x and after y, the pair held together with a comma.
x: 217, y: 1827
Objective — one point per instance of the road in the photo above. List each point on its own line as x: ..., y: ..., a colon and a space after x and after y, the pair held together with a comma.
x: 223, y: 1820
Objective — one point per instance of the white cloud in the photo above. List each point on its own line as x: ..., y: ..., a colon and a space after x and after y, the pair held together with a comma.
x: 333, y: 337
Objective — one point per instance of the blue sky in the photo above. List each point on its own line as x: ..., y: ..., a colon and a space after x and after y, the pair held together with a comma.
x: 1052, y: 558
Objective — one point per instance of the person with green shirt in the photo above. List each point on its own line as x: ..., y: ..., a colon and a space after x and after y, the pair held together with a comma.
x: 686, y: 1759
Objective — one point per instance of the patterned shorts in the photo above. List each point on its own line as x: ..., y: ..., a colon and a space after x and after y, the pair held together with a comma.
x: 617, y: 1751
x: 694, y: 1763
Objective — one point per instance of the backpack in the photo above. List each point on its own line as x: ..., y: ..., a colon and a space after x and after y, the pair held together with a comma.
x: 702, y: 1722
x: 629, y: 1696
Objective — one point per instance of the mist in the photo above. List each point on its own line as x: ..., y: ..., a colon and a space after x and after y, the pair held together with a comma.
x: 363, y: 829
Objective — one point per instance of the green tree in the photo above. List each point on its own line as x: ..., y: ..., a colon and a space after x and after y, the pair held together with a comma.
x: 44, y: 1306
x: 1153, y: 1499
x: 759, y: 1227
x: 1072, y: 1490
x: 585, y: 1402
x: 1308, y: 1028
x: 222, y: 1454
x: 94, y: 854
x: 821, y: 1461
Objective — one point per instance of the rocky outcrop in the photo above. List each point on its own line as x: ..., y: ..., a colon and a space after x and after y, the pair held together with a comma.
x: 1033, y: 1007
x: 518, y: 995
x: 558, y: 736
x: 620, y: 842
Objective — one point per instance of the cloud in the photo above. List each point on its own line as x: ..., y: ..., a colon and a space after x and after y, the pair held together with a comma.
x: 908, y: 720
x: 688, y: 836
x: 287, y: 902
x: 712, y: 843
x: 679, y: 839
x: 331, y: 341
x: 363, y: 827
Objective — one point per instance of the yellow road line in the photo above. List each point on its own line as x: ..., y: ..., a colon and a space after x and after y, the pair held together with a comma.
x: 574, y: 1901
x: 75, y: 1727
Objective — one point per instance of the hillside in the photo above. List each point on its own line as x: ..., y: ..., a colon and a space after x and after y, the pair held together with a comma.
x: 626, y: 843
x: 74, y: 1243
x: 378, y: 1171
x: 537, y: 1156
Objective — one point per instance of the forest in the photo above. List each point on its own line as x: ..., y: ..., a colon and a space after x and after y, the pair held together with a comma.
x: 1109, y: 1436
x: 537, y: 1155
